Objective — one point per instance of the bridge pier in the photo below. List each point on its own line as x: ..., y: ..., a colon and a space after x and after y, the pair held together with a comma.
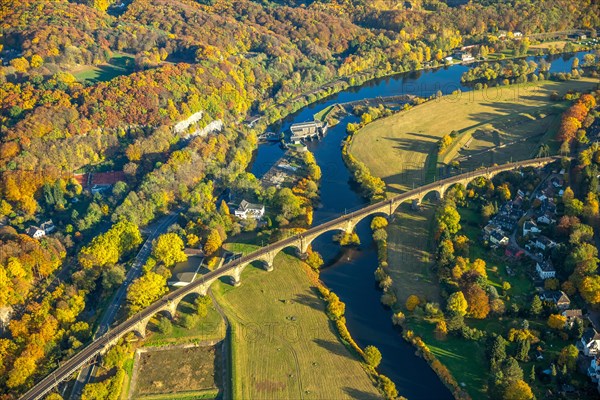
x: 236, y: 276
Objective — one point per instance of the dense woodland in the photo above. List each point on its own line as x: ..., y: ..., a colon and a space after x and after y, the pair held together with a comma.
x: 228, y: 59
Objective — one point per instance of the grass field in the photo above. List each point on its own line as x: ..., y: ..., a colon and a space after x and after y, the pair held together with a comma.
x: 465, y: 359
x: 165, y: 372
x: 283, y: 345
x: 409, y: 253
x: 402, y: 149
x: 119, y: 64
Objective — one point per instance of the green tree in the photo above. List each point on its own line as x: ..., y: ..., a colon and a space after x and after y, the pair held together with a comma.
x: 168, y: 249
x: 536, y: 306
x: 568, y: 356
x: 372, y: 356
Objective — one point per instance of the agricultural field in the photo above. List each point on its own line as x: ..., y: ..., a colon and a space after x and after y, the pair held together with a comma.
x: 199, y: 375
x: 283, y: 344
x: 119, y: 64
x: 513, y: 120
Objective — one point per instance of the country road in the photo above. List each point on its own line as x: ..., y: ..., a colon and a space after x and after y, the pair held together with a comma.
x: 111, y: 311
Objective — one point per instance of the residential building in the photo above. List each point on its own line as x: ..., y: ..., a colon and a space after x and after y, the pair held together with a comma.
x: 36, y: 232
x: 545, y: 269
x: 590, y: 342
x: 530, y: 227
x: 543, y: 243
x: 498, y: 238
x: 546, y: 219
x: 558, y: 297
x: 572, y: 315
x: 248, y: 210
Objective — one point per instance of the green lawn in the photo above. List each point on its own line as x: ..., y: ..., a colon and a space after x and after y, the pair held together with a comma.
x: 119, y: 64
x: 402, y: 149
x: 465, y: 359
x: 283, y: 344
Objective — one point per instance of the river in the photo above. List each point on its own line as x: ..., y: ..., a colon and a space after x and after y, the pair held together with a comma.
x: 349, y: 273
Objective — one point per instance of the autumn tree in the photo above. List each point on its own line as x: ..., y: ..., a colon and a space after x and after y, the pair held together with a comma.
x: 479, y: 302
x: 517, y: 390
x: 457, y: 304
x: 213, y: 242
x: 372, y: 356
x: 557, y: 321
x: 168, y: 249
x: 145, y: 290
x: 412, y: 302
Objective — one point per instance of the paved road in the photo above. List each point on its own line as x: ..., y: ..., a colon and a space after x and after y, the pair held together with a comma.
x: 89, y: 352
x: 110, y: 313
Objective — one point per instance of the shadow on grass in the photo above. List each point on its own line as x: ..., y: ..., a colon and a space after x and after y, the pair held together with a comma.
x: 359, y: 394
x: 309, y: 301
x: 334, y: 347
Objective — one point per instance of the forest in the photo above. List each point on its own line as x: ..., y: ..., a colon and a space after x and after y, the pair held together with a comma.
x: 228, y: 60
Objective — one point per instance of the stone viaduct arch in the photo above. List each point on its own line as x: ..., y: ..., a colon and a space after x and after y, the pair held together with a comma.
x: 266, y: 255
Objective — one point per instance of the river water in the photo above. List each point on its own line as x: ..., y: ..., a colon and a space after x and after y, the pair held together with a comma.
x: 349, y: 273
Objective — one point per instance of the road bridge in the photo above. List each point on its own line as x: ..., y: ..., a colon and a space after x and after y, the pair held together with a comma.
x: 266, y: 255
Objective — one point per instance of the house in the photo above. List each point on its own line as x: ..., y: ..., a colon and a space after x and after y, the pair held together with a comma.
x: 517, y: 35
x: 545, y: 269
x: 36, y: 232
x: 248, y: 210
x: 546, y: 219
x: 572, y: 315
x: 557, y: 182
x: 530, y: 227
x: 467, y: 57
x: 590, y: 342
x: 543, y: 243
x: 498, y: 238
x: 558, y: 297
x: 48, y: 226
x: 99, y: 188
x: 448, y: 59
x: 487, y: 230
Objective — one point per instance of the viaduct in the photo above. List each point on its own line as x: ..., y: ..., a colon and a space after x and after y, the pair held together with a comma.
x: 265, y: 255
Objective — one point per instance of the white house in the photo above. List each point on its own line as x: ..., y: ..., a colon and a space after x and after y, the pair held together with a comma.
x: 37, y: 232
x: 590, y: 342
x: 545, y: 269
x: 248, y: 210
x: 530, y: 227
